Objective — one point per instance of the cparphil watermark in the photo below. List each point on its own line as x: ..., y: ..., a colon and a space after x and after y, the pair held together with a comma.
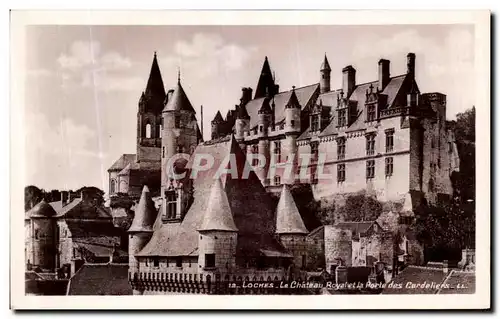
x: 296, y: 167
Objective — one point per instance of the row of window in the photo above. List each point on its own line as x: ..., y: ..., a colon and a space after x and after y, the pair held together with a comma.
x: 209, y: 261
x: 370, y: 169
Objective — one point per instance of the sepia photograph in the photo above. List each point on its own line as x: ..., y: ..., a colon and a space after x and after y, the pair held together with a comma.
x: 193, y: 159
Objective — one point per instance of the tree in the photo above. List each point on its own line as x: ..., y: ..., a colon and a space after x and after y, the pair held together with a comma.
x: 360, y: 207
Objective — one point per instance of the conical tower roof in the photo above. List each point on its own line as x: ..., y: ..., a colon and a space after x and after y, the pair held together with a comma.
x: 288, y: 220
x: 266, y: 81
x: 218, y: 117
x: 155, y: 86
x: 41, y: 210
x: 179, y: 100
x: 325, y: 66
x: 266, y: 107
x: 293, y: 101
x: 145, y: 213
x: 218, y: 215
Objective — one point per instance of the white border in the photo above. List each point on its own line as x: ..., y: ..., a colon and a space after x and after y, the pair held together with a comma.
x: 481, y: 20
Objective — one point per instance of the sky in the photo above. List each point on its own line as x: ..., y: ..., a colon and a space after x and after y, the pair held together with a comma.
x: 83, y: 83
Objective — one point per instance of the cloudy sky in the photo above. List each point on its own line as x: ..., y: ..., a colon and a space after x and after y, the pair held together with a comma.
x: 83, y: 82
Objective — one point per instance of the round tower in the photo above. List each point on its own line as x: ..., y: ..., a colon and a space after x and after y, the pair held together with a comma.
x: 140, y: 231
x: 218, y: 234
x: 292, y: 131
x: 42, y: 237
x: 290, y: 228
x: 180, y: 131
x: 242, y: 123
x: 325, y: 70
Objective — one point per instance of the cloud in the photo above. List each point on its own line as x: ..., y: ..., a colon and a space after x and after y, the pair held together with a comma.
x: 85, y: 65
x: 39, y: 73
x: 207, y: 54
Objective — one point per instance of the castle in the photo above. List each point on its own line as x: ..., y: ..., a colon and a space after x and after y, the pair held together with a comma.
x: 383, y: 137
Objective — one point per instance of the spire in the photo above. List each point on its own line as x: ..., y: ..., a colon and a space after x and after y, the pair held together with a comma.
x: 178, y: 75
x: 179, y: 101
x: 218, y: 118
x: 293, y: 101
x: 325, y: 66
x: 288, y: 220
x: 266, y: 81
x: 155, y: 87
x: 218, y: 214
x: 145, y: 213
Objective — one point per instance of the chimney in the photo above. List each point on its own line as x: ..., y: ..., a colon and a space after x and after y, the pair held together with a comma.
x: 410, y: 64
x: 64, y: 198
x: 383, y: 73
x: 246, y: 95
x: 348, y: 80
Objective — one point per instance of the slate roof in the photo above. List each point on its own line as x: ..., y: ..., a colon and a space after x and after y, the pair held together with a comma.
x: 325, y: 65
x: 123, y: 161
x: 88, y: 229
x: 392, y: 90
x: 288, y: 219
x: 304, y: 95
x: 100, y: 250
x: 356, y: 227
x: 100, y: 279
x: 179, y: 101
x: 218, y: 215
x: 145, y: 213
x: 80, y: 209
x: 40, y: 210
x: 155, y: 86
x: 251, y: 207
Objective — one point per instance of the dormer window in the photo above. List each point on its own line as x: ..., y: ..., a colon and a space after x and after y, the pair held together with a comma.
x: 314, y: 123
x: 342, y: 118
x: 370, y: 113
x: 277, y: 152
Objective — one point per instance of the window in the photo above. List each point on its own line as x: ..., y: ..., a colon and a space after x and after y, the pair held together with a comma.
x: 389, y: 141
x: 315, y: 123
x: 304, y: 260
x: 277, y: 180
x: 389, y: 166
x: 370, y: 169
x: 171, y: 199
x: 292, y: 123
x: 341, y: 173
x: 112, y: 188
x: 370, y: 113
x: 178, y: 262
x: 36, y: 234
x: 210, y: 260
x: 370, y: 144
x: 277, y: 151
x: 163, y: 152
x: 148, y: 130
x: 156, y: 262
x: 261, y: 128
x: 342, y: 121
x: 341, y: 148
x: 314, y: 151
x: 160, y: 129
x: 450, y: 147
x: 177, y: 123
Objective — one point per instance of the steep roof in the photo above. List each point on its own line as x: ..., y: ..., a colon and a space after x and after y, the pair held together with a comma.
x: 393, y: 90
x: 179, y: 101
x: 218, y: 117
x: 155, y: 85
x: 100, y: 279
x: 88, y: 231
x: 266, y: 81
x: 288, y: 220
x: 123, y: 161
x: 145, y: 213
x: 325, y: 65
x: 41, y: 210
x: 304, y: 96
x: 218, y: 215
x: 250, y: 205
x: 80, y: 209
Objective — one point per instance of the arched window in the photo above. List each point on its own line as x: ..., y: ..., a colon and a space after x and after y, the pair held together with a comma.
x: 160, y: 128
x: 148, y: 130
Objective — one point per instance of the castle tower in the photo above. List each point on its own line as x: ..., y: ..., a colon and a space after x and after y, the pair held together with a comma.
x: 325, y: 70
x: 42, y: 244
x: 218, y: 234
x: 290, y: 227
x: 180, y: 136
x: 141, y: 230
x: 149, y: 116
x: 218, y: 124
x: 242, y: 123
x: 292, y: 131
x: 263, y: 123
x: 266, y: 83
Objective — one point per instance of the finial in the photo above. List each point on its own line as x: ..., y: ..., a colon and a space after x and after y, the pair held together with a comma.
x: 178, y: 74
x: 293, y: 88
x: 155, y: 54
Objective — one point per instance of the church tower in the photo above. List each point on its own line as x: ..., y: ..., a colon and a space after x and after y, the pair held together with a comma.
x: 180, y: 135
x: 140, y: 231
x: 290, y: 228
x: 325, y: 70
x: 149, y: 116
